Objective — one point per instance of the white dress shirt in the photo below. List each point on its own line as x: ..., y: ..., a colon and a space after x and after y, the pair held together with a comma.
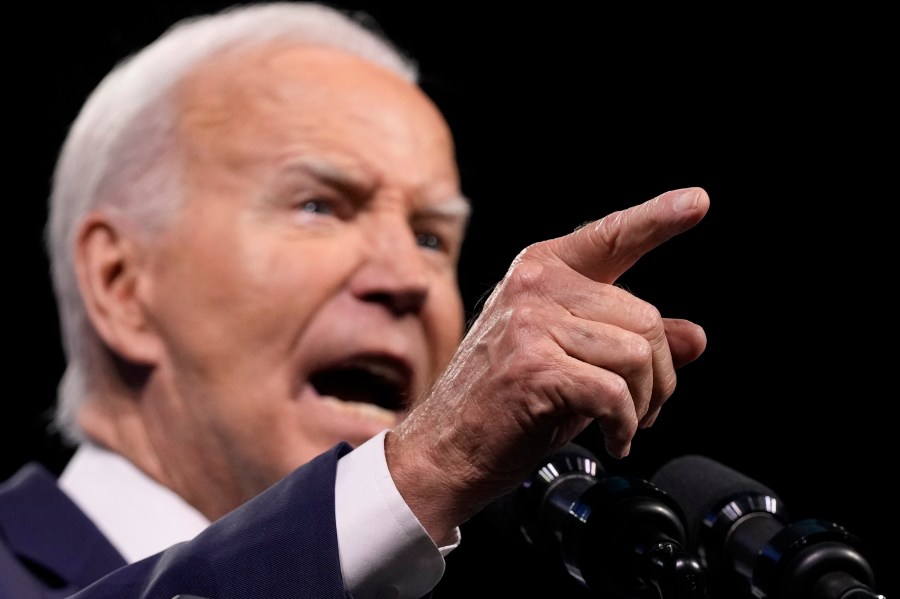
x: 384, y: 550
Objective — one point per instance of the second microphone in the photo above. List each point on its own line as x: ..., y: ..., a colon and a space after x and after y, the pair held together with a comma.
x: 619, y: 536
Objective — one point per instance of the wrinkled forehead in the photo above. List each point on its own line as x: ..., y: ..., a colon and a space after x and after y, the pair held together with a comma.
x: 286, y: 102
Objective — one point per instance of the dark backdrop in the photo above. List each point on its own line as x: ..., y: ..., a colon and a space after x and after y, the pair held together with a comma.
x: 562, y: 115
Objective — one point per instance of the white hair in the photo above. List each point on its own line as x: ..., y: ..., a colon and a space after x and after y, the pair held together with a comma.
x: 121, y: 154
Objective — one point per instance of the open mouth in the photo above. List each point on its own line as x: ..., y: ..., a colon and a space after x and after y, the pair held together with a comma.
x: 376, y: 380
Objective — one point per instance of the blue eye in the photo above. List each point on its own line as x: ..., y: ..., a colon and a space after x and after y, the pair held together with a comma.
x: 430, y: 241
x: 317, y: 207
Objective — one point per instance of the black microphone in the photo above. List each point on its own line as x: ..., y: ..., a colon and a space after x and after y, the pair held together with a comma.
x: 619, y: 536
x: 749, y: 547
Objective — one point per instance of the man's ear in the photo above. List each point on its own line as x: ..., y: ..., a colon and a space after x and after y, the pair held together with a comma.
x: 110, y: 266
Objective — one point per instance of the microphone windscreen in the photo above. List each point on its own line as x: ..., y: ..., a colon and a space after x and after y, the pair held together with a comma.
x: 702, y: 486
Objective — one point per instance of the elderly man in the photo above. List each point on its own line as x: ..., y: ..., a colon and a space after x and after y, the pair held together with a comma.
x: 255, y: 227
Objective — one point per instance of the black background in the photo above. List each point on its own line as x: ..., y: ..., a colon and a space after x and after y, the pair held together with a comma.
x: 563, y: 114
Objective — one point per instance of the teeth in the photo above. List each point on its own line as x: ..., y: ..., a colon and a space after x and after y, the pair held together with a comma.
x: 364, y: 410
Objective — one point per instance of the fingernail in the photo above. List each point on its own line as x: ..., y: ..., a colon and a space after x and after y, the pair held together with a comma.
x: 687, y: 200
x: 618, y: 454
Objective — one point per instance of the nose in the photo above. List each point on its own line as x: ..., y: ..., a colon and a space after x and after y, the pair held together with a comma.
x: 394, y: 273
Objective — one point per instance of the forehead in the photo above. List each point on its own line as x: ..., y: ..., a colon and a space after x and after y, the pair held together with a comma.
x: 276, y: 75
x: 249, y: 118
x: 301, y: 97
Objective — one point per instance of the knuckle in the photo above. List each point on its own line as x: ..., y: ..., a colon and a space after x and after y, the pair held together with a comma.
x: 524, y: 318
x: 649, y: 320
x: 640, y: 351
x: 606, y: 232
x: 525, y: 275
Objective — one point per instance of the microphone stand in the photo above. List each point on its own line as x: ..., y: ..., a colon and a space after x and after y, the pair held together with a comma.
x: 617, y: 535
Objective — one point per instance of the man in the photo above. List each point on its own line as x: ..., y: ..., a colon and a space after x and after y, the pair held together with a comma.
x: 254, y: 230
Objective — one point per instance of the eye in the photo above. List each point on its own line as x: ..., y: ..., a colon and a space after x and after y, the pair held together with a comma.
x: 317, y: 206
x: 430, y: 241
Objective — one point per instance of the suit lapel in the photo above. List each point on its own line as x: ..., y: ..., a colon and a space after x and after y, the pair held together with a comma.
x: 44, y: 528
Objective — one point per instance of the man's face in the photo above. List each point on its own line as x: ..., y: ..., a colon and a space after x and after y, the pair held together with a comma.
x: 308, y: 289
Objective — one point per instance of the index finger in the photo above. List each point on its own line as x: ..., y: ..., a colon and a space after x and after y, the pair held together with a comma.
x: 604, y: 249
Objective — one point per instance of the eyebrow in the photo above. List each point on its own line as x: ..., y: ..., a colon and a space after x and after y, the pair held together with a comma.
x: 454, y: 207
x: 457, y: 207
x: 332, y: 174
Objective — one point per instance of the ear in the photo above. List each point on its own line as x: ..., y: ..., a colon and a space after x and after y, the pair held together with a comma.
x: 109, y: 266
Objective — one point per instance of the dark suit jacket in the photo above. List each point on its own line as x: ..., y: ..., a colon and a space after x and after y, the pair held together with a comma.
x: 283, y: 543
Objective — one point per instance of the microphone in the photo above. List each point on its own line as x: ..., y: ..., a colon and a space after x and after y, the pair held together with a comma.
x: 749, y: 547
x: 619, y: 536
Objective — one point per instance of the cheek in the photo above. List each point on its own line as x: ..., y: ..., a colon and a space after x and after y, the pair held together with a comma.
x: 224, y: 307
x: 271, y: 289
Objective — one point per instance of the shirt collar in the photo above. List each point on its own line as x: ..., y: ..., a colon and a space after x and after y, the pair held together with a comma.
x: 139, y: 516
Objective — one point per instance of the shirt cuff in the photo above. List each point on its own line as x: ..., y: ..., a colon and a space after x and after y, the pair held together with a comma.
x: 385, y: 551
